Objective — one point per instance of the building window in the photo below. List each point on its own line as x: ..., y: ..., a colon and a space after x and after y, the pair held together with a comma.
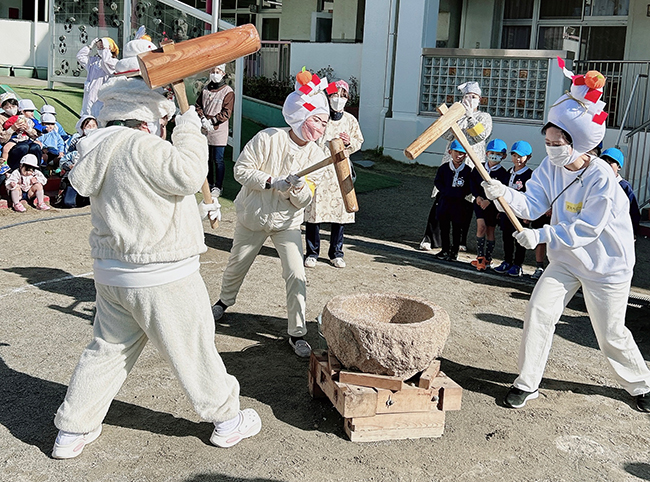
x: 516, y: 37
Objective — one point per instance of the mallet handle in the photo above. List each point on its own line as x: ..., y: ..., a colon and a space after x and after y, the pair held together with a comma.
x: 460, y: 135
x: 344, y: 176
x: 181, y: 98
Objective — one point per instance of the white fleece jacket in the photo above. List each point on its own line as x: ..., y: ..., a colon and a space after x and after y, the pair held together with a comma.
x: 269, y: 154
x: 590, y: 228
x: 142, y: 189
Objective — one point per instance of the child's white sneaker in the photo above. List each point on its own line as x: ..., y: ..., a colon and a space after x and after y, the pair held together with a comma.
x: 70, y: 445
x: 249, y: 424
x: 338, y: 263
x: 310, y: 262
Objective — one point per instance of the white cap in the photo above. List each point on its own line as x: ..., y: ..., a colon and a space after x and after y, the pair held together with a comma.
x: 470, y: 88
x: 48, y: 109
x: 48, y: 119
x: 6, y: 96
x: 26, y: 104
x: 221, y: 67
x: 129, y: 64
x: 30, y: 160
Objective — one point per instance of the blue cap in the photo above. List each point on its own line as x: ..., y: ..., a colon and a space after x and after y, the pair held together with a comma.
x: 522, y: 148
x: 614, y: 154
x: 455, y: 146
x: 497, y: 145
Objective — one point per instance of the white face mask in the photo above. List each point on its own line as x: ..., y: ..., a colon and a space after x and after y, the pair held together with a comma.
x: 153, y: 128
x: 216, y: 77
x: 338, y: 103
x: 560, y: 155
x: 472, y: 101
x: 11, y: 111
x: 89, y: 130
x: 496, y: 158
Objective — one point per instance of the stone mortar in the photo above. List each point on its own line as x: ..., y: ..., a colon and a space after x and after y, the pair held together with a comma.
x: 385, y: 333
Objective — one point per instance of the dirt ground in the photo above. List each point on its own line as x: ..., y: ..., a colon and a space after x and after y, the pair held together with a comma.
x: 582, y: 428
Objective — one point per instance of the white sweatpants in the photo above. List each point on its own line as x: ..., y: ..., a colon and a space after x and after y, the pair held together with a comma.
x: 606, y: 304
x: 177, y: 318
x: 245, y: 247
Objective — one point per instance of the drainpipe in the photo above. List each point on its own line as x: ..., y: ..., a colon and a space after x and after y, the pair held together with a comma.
x: 389, y: 74
x: 34, y: 27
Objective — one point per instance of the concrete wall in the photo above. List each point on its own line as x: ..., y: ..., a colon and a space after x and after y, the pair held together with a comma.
x: 477, y: 27
x: 296, y: 19
x: 344, y: 21
x: 344, y: 58
x: 264, y: 113
x: 638, y: 31
x: 20, y: 52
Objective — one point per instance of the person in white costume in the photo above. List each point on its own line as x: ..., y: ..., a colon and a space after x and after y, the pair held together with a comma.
x: 100, y: 67
x: 327, y: 205
x: 146, y: 240
x: 272, y: 200
x: 590, y: 243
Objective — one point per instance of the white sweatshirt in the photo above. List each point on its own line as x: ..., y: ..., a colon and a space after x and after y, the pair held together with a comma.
x: 141, y: 188
x: 590, y: 228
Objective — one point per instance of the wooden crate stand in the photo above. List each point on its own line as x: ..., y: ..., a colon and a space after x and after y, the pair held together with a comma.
x: 380, y: 407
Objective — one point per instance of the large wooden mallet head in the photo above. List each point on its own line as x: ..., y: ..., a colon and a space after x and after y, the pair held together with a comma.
x: 341, y: 159
x: 435, y: 130
x: 167, y: 66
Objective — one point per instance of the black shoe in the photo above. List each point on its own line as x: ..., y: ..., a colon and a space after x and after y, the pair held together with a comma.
x: 517, y: 398
x: 218, y: 310
x: 442, y: 255
x: 643, y: 402
x: 451, y: 257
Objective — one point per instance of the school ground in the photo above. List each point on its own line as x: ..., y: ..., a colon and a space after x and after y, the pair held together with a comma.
x: 583, y: 427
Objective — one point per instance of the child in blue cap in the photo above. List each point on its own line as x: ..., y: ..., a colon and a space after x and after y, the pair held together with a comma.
x: 485, y: 210
x: 615, y: 158
x: 453, y: 183
x: 520, y: 173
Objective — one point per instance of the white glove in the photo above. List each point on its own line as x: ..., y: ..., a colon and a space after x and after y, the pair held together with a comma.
x: 281, y: 184
x: 493, y: 189
x: 207, y: 125
x: 213, y: 211
x: 469, y: 108
x: 296, y: 182
x: 93, y: 43
x: 528, y: 238
x: 190, y: 117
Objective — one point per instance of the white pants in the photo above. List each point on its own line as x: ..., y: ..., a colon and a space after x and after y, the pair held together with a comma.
x: 178, y: 320
x: 606, y: 305
x: 245, y: 247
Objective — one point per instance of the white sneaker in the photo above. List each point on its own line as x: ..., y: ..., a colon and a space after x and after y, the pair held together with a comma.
x: 338, y: 263
x: 249, y: 424
x: 74, y: 445
x: 310, y: 262
x: 300, y: 347
x: 215, y: 192
x: 425, y: 246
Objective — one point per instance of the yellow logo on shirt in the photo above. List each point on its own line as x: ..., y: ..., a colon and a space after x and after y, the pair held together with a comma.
x: 573, y: 208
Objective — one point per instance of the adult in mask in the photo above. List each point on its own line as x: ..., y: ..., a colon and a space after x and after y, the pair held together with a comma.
x: 214, y: 105
x: 327, y: 205
x: 477, y: 127
x: 590, y: 243
x: 100, y: 67
x: 272, y: 200
x: 146, y: 241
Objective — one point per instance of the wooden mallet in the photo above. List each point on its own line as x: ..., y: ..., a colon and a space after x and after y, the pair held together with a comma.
x: 173, y: 62
x: 449, y: 120
x: 340, y: 158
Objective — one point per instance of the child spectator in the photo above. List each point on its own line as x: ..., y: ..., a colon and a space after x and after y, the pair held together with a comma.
x: 21, y: 142
x: 52, y: 145
x: 27, y: 108
x: 68, y: 196
x: 27, y: 183
x: 453, y: 183
x: 615, y: 159
x: 486, y: 211
x: 513, y: 257
x: 49, y: 109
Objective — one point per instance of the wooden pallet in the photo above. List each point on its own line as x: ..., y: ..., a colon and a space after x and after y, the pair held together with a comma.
x: 380, y: 407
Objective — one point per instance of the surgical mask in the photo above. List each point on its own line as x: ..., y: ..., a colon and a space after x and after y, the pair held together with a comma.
x: 496, y: 158
x: 471, y: 101
x: 11, y: 111
x: 560, y: 156
x: 338, y: 103
x: 89, y: 130
x: 312, y: 129
x: 152, y: 127
x: 216, y: 77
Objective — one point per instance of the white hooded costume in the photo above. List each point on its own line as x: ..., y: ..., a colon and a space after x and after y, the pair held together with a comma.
x: 100, y: 67
x: 146, y: 239
x: 590, y: 245
x: 264, y: 212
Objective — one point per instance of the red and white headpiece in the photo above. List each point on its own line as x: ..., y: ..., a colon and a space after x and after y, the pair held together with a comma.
x: 307, y: 100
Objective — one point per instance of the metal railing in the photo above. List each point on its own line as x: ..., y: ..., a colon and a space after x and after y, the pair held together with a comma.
x: 621, y: 76
x: 637, y: 163
x: 272, y: 60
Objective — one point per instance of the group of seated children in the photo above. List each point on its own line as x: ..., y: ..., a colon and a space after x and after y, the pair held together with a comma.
x: 31, y: 149
x: 457, y: 182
